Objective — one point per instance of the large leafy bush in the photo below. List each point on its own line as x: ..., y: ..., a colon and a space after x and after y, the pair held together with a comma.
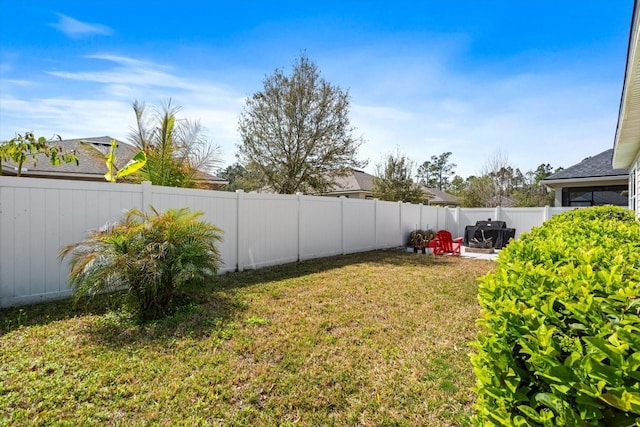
x: 559, y: 339
x: 150, y: 255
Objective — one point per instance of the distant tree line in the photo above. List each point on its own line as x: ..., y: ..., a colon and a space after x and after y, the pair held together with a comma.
x: 498, y: 184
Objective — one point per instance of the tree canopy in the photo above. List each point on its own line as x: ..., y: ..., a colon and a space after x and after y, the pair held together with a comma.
x: 394, y: 180
x: 239, y: 178
x: 436, y: 172
x: 296, y: 133
x: 499, y: 184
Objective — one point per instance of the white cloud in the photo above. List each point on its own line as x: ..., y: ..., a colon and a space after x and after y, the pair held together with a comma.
x: 75, y: 29
x: 122, y: 72
x: 18, y: 82
x: 105, y: 107
x: 69, y: 118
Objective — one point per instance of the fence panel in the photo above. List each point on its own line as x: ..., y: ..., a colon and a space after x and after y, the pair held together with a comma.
x: 359, y: 225
x: 320, y: 227
x: 432, y: 218
x: 522, y: 219
x: 559, y: 210
x: 271, y: 223
x: 9, y: 245
x: 219, y: 208
x: 470, y: 217
x: 411, y: 220
x: 39, y: 216
x: 388, y: 233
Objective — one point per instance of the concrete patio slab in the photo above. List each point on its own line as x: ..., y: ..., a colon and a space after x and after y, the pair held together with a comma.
x: 474, y: 255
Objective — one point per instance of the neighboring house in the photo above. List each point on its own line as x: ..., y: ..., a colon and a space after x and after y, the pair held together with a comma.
x: 355, y: 185
x: 626, y: 146
x: 91, y: 167
x: 208, y: 181
x: 591, y: 182
x: 359, y: 185
x: 440, y: 198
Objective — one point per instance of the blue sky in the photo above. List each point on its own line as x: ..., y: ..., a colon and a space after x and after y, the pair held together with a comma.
x: 535, y: 81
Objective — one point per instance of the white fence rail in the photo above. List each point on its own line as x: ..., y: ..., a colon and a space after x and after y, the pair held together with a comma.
x: 39, y: 216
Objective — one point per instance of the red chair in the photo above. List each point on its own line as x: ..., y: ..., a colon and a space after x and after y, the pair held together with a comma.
x: 444, y: 243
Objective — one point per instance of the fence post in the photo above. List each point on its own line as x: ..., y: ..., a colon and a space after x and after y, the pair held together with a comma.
x: 375, y: 223
x: 456, y: 218
x: 299, y: 196
x: 546, y: 213
x: 400, y: 220
x: 241, y: 243
x: 342, y: 237
x: 498, y: 215
x: 147, y: 195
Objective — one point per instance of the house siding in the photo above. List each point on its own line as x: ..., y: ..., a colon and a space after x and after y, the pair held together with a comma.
x: 634, y: 186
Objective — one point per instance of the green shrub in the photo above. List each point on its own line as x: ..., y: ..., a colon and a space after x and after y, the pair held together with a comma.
x: 149, y: 255
x: 559, y: 339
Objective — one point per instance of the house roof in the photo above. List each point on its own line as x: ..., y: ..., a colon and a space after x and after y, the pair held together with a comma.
x: 357, y: 181
x: 207, y: 178
x: 438, y: 197
x: 597, y: 166
x: 626, y: 145
x: 89, y: 164
x: 362, y: 182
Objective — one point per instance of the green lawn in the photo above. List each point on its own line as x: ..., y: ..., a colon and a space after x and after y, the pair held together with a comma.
x: 370, y: 339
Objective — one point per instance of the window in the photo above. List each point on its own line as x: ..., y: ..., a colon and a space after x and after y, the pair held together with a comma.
x: 595, y: 196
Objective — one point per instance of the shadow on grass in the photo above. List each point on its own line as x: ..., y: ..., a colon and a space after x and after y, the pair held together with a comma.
x: 190, y: 315
x: 394, y: 257
x: 196, y: 311
x: 41, y: 314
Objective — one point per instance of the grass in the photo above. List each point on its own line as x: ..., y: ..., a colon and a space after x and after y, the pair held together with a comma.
x: 373, y: 339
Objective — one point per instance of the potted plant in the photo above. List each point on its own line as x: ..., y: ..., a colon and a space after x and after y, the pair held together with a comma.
x: 419, y: 240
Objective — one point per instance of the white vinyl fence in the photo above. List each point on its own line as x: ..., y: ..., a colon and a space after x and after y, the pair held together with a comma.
x: 39, y: 216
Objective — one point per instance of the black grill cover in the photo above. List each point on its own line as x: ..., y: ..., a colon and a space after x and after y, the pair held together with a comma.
x: 488, y: 225
x: 496, y: 230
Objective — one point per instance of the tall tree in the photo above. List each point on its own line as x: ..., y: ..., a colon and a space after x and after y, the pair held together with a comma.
x: 478, y: 192
x: 178, y: 152
x: 534, y: 193
x: 542, y: 171
x: 394, y: 180
x: 296, y: 131
x: 500, y: 173
x: 435, y: 173
x: 457, y: 186
x: 424, y: 173
x: 239, y: 178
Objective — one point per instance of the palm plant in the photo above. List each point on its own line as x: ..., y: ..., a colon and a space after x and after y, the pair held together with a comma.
x: 149, y: 255
x: 110, y: 160
x: 178, y: 154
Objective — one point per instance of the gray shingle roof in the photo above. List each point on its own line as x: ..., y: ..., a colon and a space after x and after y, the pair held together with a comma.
x: 359, y: 181
x: 440, y: 197
x: 594, y: 166
x: 356, y: 181
x: 90, y: 163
